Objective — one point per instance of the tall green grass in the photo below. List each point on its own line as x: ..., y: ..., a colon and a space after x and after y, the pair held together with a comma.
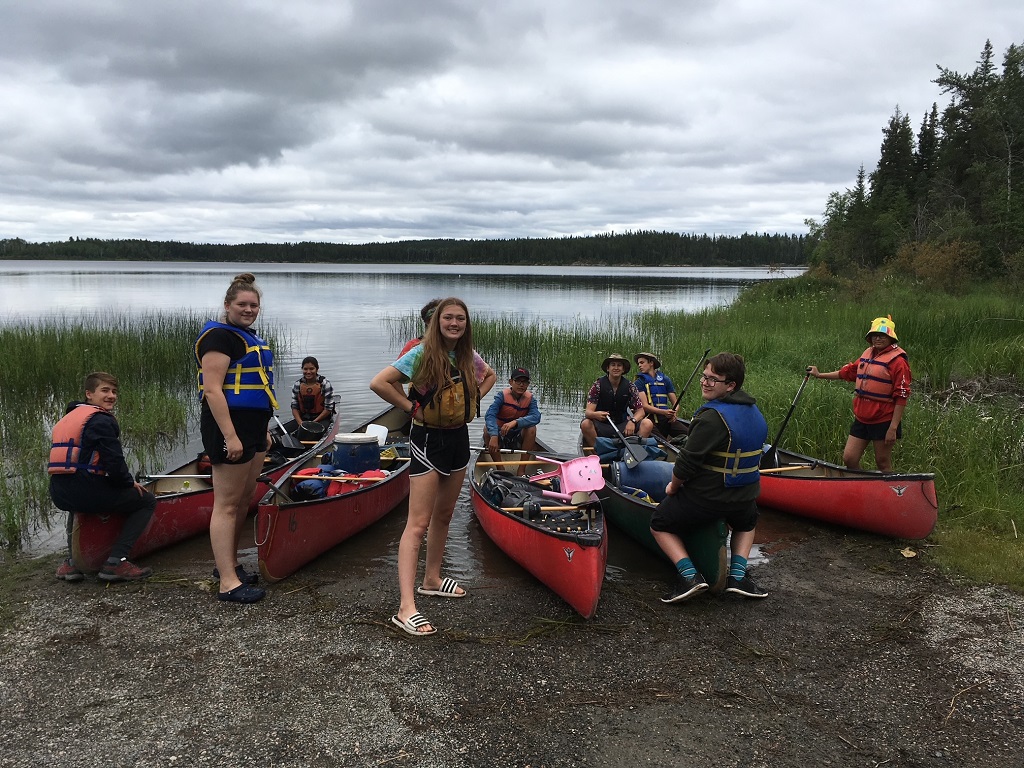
x: 45, y: 365
x: 963, y: 421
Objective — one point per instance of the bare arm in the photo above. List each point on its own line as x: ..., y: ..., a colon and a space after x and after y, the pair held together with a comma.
x: 388, y: 387
x: 488, y: 383
x: 813, y: 370
x: 897, y: 417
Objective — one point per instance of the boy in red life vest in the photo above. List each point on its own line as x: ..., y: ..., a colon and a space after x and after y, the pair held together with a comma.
x: 512, y: 418
x: 312, y: 395
x: 882, y: 376
x: 88, y: 474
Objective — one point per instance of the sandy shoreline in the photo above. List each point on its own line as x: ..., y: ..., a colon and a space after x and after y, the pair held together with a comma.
x: 859, y: 657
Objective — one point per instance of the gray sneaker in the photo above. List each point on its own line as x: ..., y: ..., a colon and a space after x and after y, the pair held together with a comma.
x: 745, y: 587
x: 684, y: 588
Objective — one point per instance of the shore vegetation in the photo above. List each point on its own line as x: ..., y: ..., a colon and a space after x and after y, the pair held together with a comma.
x: 962, y: 420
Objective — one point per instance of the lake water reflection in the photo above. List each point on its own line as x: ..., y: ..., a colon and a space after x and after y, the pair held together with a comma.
x: 340, y: 314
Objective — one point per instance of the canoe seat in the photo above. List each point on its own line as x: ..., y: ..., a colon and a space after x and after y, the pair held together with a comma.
x: 648, y: 476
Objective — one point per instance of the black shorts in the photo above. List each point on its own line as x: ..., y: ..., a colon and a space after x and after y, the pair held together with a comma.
x: 679, y: 515
x: 250, y: 426
x: 438, y: 450
x: 604, y: 429
x: 667, y: 428
x: 873, y: 431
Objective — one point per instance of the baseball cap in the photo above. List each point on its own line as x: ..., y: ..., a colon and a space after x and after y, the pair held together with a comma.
x: 519, y: 373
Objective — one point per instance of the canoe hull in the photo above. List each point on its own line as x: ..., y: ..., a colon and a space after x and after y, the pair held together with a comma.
x: 706, y: 545
x: 903, y: 506
x: 179, y: 515
x: 572, y: 565
x: 291, y: 534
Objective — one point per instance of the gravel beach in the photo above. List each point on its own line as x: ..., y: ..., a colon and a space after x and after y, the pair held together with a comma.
x: 860, y: 656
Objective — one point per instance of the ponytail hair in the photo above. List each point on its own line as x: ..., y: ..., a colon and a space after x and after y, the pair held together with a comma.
x: 243, y: 282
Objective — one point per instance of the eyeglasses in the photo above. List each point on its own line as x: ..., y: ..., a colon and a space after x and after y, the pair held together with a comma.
x: 712, y: 380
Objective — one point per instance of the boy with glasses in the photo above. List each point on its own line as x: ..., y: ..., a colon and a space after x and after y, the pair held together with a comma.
x: 715, y: 477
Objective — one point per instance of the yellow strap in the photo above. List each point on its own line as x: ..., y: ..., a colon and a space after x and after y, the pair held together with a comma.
x: 730, y: 471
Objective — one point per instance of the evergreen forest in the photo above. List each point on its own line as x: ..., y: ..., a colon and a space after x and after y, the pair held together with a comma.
x: 945, y: 206
x: 651, y: 249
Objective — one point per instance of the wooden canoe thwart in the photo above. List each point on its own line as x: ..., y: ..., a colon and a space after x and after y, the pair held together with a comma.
x: 184, y: 503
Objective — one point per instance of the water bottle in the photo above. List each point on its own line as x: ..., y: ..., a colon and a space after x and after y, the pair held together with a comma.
x: 186, y: 487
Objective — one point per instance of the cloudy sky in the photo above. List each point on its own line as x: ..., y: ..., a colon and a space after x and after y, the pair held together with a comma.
x: 344, y: 121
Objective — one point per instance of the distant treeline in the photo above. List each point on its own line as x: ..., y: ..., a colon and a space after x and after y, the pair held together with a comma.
x: 650, y: 249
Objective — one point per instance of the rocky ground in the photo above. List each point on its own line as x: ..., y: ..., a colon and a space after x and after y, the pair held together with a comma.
x: 859, y: 657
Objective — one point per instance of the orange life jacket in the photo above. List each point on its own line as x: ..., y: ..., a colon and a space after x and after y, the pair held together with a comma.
x: 874, y: 381
x: 512, y: 409
x: 311, y: 398
x: 66, y: 450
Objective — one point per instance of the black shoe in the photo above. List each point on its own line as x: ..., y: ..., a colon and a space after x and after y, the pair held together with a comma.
x: 745, y: 587
x: 243, y: 575
x: 684, y: 588
x: 243, y: 593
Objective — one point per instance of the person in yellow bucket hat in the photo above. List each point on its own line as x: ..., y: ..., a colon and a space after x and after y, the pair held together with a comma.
x: 882, y: 386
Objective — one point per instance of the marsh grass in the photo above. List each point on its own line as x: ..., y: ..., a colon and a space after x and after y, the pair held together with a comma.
x: 47, y: 361
x: 960, y: 349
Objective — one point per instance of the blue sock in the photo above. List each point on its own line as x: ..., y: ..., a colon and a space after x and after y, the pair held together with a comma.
x: 737, y: 567
x: 686, y: 568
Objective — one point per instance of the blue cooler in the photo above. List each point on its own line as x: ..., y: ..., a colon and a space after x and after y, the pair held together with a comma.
x: 356, y: 453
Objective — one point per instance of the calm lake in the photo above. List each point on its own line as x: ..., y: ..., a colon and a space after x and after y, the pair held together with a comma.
x: 340, y: 313
x: 344, y: 314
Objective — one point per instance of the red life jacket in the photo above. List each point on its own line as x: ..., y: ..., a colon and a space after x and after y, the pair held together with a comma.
x: 874, y: 382
x: 66, y: 449
x: 311, y: 398
x: 512, y: 409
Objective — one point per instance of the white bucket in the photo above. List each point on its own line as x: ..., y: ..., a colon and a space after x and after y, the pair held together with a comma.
x: 379, y: 431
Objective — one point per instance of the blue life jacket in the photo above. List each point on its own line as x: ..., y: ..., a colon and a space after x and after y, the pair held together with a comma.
x: 656, y: 388
x: 747, y: 434
x: 249, y: 381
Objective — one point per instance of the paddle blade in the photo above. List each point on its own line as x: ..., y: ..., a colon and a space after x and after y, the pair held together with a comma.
x: 634, y: 454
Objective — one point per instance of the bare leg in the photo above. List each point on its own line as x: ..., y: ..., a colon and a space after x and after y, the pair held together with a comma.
x: 741, y: 543
x: 854, y: 451
x: 437, y: 533
x: 589, y: 433
x: 230, y: 504
x: 671, y: 545
x: 883, y: 455
x: 529, y: 443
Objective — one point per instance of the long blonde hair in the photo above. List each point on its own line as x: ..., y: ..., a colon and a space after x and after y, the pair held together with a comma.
x: 433, y: 370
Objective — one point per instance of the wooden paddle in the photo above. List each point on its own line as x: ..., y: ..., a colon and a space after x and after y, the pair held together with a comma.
x: 789, y: 468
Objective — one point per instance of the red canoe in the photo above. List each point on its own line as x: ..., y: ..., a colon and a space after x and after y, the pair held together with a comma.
x: 900, y: 505
x: 291, y: 533
x: 184, y: 503
x: 566, y: 550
